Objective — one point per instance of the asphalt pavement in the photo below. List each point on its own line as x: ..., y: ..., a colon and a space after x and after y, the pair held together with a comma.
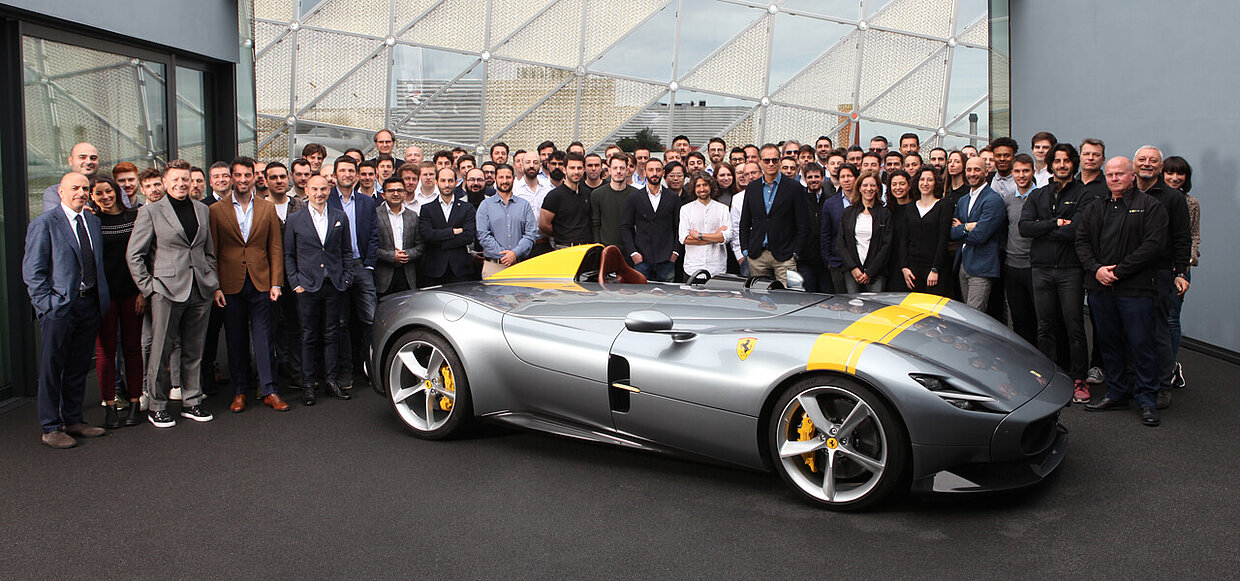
x: 341, y: 490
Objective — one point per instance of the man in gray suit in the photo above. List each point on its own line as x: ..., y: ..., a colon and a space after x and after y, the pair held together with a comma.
x: 63, y: 271
x: 173, y: 237
x: 394, y: 270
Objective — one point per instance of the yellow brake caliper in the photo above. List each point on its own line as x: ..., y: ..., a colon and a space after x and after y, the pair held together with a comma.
x: 806, y: 432
x: 449, y: 385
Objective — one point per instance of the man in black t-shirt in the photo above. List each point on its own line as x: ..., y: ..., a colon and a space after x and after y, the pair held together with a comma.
x: 565, y: 214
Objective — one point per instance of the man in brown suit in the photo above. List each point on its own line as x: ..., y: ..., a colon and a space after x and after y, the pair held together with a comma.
x: 249, y: 247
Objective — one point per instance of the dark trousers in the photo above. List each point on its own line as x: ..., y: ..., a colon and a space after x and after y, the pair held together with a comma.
x: 64, y: 362
x: 1126, y: 332
x: 815, y: 277
x: 839, y: 279
x: 356, y: 317
x: 287, y: 335
x: 921, y: 275
x: 1058, y: 299
x: 399, y: 284
x: 247, y: 320
x: 319, y: 312
x: 656, y: 271
x: 211, y: 347
x: 120, y: 315
x: 1164, y: 279
x: 1018, y: 284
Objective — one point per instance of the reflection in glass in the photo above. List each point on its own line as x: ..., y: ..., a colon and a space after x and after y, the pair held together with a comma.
x: 192, y: 143
x: 74, y: 94
x: 708, y: 25
x: 247, y: 113
x: 1000, y: 76
x: 790, y: 51
x: 646, y: 52
x: 436, y: 94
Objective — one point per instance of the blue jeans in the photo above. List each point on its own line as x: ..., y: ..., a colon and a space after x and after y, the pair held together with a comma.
x: 356, y: 304
x: 1173, y: 319
x: 1168, y: 329
x: 656, y: 271
x: 1127, y: 335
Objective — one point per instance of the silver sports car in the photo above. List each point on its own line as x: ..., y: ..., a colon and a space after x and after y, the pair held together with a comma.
x: 849, y: 398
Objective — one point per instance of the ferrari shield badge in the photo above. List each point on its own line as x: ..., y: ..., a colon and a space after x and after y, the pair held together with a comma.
x: 744, y: 346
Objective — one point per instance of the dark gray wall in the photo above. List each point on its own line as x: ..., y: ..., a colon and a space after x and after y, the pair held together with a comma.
x: 203, y: 27
x: 1132, y: 72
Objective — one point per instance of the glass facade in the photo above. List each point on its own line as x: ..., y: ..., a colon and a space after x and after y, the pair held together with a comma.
x: 1000, y: 69
x: 73, y: 94
x: 192, y: 121
x: 445, y: 73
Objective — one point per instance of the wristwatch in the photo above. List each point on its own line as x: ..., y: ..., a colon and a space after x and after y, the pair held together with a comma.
x: 699, y: 236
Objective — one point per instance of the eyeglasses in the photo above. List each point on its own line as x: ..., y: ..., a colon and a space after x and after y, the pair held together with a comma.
x: 770, y: 160
x: 389, y: 190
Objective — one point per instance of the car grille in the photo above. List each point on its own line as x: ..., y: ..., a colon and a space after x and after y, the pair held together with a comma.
x: 1039, y: 435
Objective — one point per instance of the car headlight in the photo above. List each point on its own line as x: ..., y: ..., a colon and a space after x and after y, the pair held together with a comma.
x: 966, y: 401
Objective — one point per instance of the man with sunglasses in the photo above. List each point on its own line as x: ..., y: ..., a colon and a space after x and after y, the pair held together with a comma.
x: 774, y: 220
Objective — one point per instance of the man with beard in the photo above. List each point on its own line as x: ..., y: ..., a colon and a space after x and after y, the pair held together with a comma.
x: 715, y: 148
x: 359, y: 301
x: 607, y: 203
x: 533, y: 190
x: 197, y: 183
x: 83, y: 159
x: 400, y: 242
x: 476, y: 187
x: 565, y: 213
x: 554, y: 165
x: 300, y: 175
x: 126, y: 175
x: 648, y: 226
x: 506, y: 225
x: 810, y: 267
x: 448, y: 228
x: 594, y: 172
x: 822, y: 149
x: 681, y: 145
x: 938, y: 158
x: 499, y: 153
x: 978, y: 224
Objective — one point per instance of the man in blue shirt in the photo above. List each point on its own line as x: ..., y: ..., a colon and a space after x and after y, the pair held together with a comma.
x: 359, y: 301
x: 506, y: 225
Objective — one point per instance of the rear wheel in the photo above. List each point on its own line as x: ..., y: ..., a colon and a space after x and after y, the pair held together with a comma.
x: 837, y: 443
x: 427, y: 385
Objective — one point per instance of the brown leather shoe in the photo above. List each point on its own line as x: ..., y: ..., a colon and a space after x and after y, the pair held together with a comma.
x: 238, y: 404
x: 59, y: 440
x: 84, y: 430
x: 274, y: 402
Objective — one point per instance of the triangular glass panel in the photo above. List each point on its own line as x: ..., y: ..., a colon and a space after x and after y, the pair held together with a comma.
x: 915, y: 100
x: 452, y: 24
x: 514, y: 88
x: 970, y: 79
x: 701, y: 116
x: 829, y: 82
x: 359, y: 101
x: 561, y: 22
x: 968, y: 12
x: 607, y: 22
x: 607, y: 103
x: 428, y: 103
x: 508, y: 15
x: 739, y: 67
x: 345, y: 16
x: 977, y: 34
x: 887, y: 57
x: 646, y: 53
x: 323, y: 58
x: 707, y: 25
x: 798, y: 41
x: 930, y: 17
x: 554, y: 119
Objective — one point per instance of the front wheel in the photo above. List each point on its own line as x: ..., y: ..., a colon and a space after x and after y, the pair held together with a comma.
x: 837, y: 443
x: 427, y: 386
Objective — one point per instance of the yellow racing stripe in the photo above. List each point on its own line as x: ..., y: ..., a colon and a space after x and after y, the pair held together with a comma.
x: 841, y: 351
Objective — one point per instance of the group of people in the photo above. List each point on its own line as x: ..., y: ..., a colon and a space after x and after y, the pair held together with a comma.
x: 290, y: 260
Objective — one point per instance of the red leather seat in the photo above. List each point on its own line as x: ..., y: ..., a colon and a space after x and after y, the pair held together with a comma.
x: 613, y: 268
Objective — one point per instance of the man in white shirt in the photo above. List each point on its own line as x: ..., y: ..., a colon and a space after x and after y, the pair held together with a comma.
x: 745, y: 174
x: 427, y: 191
x: 533, y: 190
x: 705, y: 228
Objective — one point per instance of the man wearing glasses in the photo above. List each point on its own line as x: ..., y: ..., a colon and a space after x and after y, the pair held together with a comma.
x: 774, y: 220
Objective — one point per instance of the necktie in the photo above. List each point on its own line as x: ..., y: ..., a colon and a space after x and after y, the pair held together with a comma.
x: 89, y: 272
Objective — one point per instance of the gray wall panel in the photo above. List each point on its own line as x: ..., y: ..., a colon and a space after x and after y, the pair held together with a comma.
x: 1132, y: 72
x: 203, y: 27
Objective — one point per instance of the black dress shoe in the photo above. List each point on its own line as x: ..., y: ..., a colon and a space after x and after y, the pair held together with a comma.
x: 1149, y: 417
x: 135, y: 414
x: 111, y: 421
x: 1107, y: 404
x: 338, y: 393
x: 307, y: 395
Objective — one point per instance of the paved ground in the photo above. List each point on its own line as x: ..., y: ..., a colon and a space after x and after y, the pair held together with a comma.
x: 339, y: 490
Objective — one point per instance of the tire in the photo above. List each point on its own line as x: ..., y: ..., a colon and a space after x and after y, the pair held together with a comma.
x: 857, y: 445
x: 434, y: 406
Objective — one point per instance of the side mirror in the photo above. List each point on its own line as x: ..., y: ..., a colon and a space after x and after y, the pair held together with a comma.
x: 795, y: 281
x: 650, y: 321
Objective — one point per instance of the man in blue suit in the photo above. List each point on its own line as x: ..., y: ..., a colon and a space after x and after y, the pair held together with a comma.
x: 775, y: 221
x: 358, y: 303
x: 318, y: 264
x: 448, y: 227
x: 979, y: 221
x: 63, y: 271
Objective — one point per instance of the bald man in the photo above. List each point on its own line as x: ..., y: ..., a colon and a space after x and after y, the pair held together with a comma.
x: 83, y: 159
x: 63, y: 271
x: 978, y: 224
x: 1120, y: 240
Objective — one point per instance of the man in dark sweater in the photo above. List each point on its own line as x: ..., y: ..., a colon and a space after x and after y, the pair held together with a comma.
x: 607, y: 203
x: 1119, y: 241
x: 1171, y: 276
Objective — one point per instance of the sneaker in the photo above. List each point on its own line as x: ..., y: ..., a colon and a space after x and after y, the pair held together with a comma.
x: 144, y: 403
x: 174, y: 394
x: 197, y: 413
x: 1177, y: 377
x: 161, y: 419
x: 1164, y: 399
x: 1095, y: 376
x: 1081, y: 393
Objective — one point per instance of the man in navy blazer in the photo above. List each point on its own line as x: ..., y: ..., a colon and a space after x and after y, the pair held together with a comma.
x: 448, y: 227
x: 774, y: 220
x: 63, y: 271
x: 318, y: 264
x: 979, y: 224
x: 649, y: 232
x: 359, y: 302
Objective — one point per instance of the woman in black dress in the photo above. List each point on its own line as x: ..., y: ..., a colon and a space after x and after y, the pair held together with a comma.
x: 864, y: 242
x: 927, y: 226
x: 125, y: 310
x: 898, y: 202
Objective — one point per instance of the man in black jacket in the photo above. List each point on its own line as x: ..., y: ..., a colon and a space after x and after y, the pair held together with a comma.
x: 1049, y: 218
x: 1171, y: 276
x: 448, y: 226
x: 1119, y: 241
x: 774, y: 220
x: 648, y: 226
x: 817, y: 278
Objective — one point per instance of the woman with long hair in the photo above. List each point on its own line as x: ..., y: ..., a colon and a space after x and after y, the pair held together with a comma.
x: 1178, y: 174
x: 898, y: 200
x: 954, y: 185
x: 865, y: 237
x: 125, y: 310
x: 928, y: 223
